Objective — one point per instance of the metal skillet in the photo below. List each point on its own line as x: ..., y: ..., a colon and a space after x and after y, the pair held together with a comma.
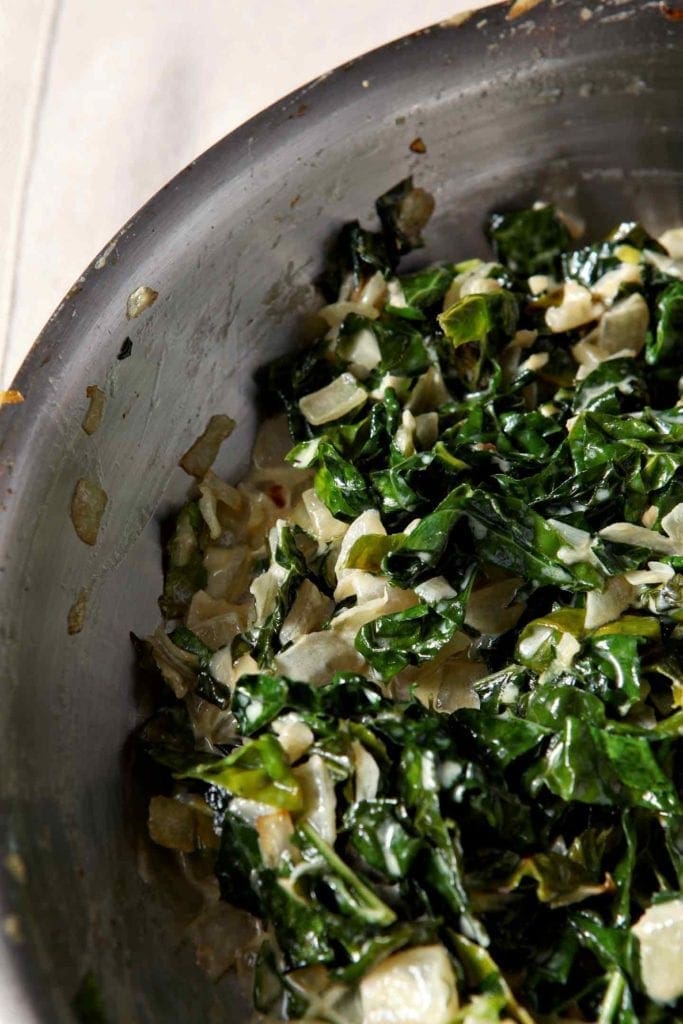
x: 573, y: 102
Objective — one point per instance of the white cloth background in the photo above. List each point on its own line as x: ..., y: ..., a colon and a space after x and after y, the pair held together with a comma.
x: 102, y: 101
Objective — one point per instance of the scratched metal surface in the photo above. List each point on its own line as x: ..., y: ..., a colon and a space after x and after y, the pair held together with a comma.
x: 575, y: 103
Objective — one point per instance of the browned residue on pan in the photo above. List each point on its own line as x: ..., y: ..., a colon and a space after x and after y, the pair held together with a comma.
x: 93, y: 416
x: 75, y: 620
x: 520, y: 7
x: 11, y: 397
x: 88, y: 503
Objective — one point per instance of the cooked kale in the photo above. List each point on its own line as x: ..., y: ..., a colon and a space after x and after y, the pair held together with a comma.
x: 501, y: 772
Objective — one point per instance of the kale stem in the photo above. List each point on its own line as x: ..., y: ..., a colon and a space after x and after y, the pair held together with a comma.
x: 375, y: 910
x: 612, y: 998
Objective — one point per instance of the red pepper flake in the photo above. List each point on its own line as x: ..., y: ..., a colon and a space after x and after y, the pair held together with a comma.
x: 276, y: 493
x: 672, y: 13
x: 418, y: 146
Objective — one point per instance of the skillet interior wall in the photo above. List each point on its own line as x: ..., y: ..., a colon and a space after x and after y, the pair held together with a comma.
x: 556, y: 105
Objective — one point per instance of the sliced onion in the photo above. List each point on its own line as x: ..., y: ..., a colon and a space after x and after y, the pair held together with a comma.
x: 333, y: 401
x: 367, y: 772
x: 638, y: 536
x: 429, y: 393
x: 373, y: 291
x: 323, y: 525
x: 473, y: 281
x: 363, y: 354
x: 140, y: 300
x: 176, y: 666
x: 208, y: 508
x: 489, y: 609
x: 310, y: 611
x: 415, y: 986
x: 265, y: 589
x: 320, y: 801
x: 347, y: 622
x: 249, y: 811
x: 225, y: 493
x: 294, y: 736
x: 405, y: 435
x: 536, y: 361
x: 672, y: 524
x: 216, y: 622
x: 435, y: 589
x: 245, y: 665
x: 665, y: 264
x: 171, y: 824
x: 539, y: 283
x: 335, y: 314
x: 317, y: 656
x: 367, y: 523
x: 660, y: 939
x: 272, y: 443
x: 275, y: 831
x: 220, y: 666
x: 656, y: 573
x: 672, y: 240
x: 427, y: 429
x: 576, y: 309
x: 607, y: 605
x: 93, y: 416
x: 227, y: 571
x: 395, y: 296
x: 358, y: 583
x: 607, y: 286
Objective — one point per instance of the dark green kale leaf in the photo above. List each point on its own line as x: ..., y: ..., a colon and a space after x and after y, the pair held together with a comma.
x: 88, y: 1004
x: 290, y: 377
x: 238, y: 859
x: 258, y: 770
x: 413, y: 636
x: 477, y: 327
x: 184, y: 572
x: 206, y: 686
x: 426, y: 287
x: 594, y: 766
x: 614, y: 387
x: 512, y: 536
x: 529, y: 241
x: 418, y: 553
x: 380, y: 832
x: 341, y: 486
x: 443, y: 866
x: 498, y: 738
x: 264, y: 640
x: 666, y: 344
x: 403, y: 212
x: 587, y: 264
x: 356, y: 251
